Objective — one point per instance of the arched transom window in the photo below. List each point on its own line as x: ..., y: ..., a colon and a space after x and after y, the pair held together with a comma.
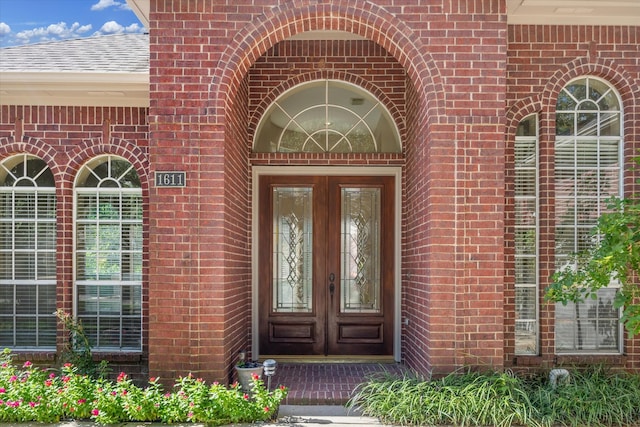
x: 327, y: 116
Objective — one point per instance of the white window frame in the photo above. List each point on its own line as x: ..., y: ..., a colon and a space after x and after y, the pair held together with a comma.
x: 116, y: 282
x: 39, y: 283
x: 577, y: 139
x: 532, y: 325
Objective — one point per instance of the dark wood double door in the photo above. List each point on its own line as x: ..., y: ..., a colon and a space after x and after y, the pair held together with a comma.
x: 326, y: 265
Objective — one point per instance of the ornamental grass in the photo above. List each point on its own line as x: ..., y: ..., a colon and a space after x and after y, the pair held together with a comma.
x: 591, y: 397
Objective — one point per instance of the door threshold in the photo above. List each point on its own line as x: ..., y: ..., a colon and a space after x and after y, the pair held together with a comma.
x: 290, y: 358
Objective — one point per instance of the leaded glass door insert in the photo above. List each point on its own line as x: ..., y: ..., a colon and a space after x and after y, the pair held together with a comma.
x: 360, y: 250
x: 292, y: 249
x: 326, y: 265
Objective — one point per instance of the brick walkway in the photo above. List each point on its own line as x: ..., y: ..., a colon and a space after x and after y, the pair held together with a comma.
x: 326, y: 383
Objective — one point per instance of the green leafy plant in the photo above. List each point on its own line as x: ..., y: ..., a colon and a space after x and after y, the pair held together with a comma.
x: 77, y: 349
x: 591, y: 397
x: 30, y: 394
x: 614, y: 255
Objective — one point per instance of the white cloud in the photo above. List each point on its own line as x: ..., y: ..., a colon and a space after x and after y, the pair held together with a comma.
x: 104, y: 4
x: 84, y: 28
x: 134, y: 28
x: 52, y: 32
x: 4, y: 29
x: 111, y: 27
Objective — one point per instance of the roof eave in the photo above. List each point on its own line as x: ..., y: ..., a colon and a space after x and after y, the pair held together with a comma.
x: 74, y: 89
x: 141, y: 8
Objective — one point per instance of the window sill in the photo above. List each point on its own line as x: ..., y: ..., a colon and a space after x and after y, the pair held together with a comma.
x: 580, y: 359
x: 33, y: 355
x: 117, y: 357
x: 527, y: 360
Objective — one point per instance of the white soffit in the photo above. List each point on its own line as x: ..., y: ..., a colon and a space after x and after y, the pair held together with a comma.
x: 74, y: 89
x: 574, y: 12
x: 556, y: 12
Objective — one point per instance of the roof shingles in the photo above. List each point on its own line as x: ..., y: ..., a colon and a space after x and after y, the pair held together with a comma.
x: 118, y: 53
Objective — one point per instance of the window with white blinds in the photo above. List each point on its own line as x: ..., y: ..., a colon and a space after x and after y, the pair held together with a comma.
x: 27, y: 254
x: 588, y: 171
x: 526, y: 236
x: 108, y: 251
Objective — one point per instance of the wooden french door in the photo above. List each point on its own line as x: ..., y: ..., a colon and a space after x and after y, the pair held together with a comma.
x: 326, y: 265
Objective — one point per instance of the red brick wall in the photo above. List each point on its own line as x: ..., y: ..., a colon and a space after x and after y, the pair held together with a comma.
x: 452, y: 53
x: 65, y: 138
x: 447, y: 71
x: 541, y: 61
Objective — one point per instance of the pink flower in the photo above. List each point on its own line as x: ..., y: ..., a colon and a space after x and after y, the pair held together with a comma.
x: 27, y: 364
x: 124, y: 392
x: 32, y: 404
x: 266, y: 409
x: 13, y: 378
x: 121, y: 377
x: 3, y: 390
x: 48, y: 383
x: 190, y: 415
x: 113, y: 393
x: 255, y: 376
x: 68, y: 365
x: 152, y: 379
x: 52, y: 375
x: 81, y: 401
x: 66, y: 379
x: 95, y: 412
x: 245, y: 396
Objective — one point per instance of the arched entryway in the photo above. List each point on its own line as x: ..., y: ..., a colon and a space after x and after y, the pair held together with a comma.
x: 273, y: 35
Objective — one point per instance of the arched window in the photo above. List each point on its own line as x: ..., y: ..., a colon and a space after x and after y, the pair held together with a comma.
x: 526, y: 235
x: 108, y: 251
x: 27, y: 254
x: 327, y: 116
x: 588, y: 171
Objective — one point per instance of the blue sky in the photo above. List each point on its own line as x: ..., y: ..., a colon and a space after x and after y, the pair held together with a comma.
x: 36, y: 21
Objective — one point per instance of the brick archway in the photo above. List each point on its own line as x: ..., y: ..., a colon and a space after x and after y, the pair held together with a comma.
x: 362, y: 18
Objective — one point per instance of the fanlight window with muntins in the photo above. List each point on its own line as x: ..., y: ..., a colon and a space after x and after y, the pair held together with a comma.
x: 327, y: 116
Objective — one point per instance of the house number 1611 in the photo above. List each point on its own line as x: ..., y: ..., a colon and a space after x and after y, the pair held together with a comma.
x: 171, y: 179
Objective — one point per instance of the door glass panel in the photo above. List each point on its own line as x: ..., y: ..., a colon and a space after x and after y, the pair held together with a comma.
x: 292, y: 250
x: 360, y: 250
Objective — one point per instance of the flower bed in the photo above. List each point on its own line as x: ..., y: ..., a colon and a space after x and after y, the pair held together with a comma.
x: 28, y: 393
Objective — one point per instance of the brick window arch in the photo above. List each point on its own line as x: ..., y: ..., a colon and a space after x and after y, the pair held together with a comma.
x: 108, y: 253
x: 27, y: 254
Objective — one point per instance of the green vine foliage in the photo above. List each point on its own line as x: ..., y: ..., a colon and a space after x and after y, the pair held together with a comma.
x: 615, y: 255
x: 77, y: 349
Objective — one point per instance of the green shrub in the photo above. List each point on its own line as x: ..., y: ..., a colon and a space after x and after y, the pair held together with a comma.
x: 31, y: 394
x: 593, y: 397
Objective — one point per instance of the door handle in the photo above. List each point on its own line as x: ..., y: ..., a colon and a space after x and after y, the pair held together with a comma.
x: 332, y: 286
